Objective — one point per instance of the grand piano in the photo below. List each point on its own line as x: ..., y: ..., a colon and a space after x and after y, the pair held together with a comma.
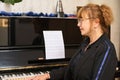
x: 22, y: 49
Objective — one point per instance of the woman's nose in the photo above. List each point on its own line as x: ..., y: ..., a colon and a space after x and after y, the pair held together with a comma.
x: 78, y: 24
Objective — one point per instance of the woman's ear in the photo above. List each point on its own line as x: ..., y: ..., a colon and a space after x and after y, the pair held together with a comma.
x: 96, y: 22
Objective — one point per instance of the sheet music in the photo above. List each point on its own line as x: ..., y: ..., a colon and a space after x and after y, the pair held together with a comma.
x: 54, y: 44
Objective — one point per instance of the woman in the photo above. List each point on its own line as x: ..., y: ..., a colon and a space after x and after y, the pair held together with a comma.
x: 96, y: 58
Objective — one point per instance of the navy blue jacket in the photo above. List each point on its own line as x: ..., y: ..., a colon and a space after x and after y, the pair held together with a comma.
x: 97, y: 62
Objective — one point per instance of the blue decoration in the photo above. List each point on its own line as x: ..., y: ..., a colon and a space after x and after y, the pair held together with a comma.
x: 31, y: 13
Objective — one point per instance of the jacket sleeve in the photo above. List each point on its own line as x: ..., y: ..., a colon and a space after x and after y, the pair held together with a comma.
x: 58, y: 74
x: 63, y: 73
x: 105, y: 64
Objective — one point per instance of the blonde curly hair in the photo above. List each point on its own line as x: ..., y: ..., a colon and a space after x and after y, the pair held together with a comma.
x: 103, y: 13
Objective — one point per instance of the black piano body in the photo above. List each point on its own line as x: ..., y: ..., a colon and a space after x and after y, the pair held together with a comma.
x: 23, y: 35
x: 22, y: 48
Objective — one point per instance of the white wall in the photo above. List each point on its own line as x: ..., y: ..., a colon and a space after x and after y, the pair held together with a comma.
x: 49, y: 6
x: 45, y: 6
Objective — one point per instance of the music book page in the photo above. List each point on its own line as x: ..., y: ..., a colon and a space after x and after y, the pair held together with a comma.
x: 54, y: 45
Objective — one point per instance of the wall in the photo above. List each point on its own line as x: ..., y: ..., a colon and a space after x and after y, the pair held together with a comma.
x: 45, y: 6
x: 49, y: 6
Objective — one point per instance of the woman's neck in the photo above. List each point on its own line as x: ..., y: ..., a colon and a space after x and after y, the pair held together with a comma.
x: 95, y: 37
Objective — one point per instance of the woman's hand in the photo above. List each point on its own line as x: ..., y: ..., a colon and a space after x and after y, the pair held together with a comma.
x: 40, y: 77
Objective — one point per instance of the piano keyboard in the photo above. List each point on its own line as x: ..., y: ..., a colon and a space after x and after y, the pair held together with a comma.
x: 21, y: 76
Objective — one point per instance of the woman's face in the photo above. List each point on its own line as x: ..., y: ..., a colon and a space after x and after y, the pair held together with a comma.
x: 84, y: 25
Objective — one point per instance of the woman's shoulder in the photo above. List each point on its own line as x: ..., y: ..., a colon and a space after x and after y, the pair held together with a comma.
x: 107, y: 41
